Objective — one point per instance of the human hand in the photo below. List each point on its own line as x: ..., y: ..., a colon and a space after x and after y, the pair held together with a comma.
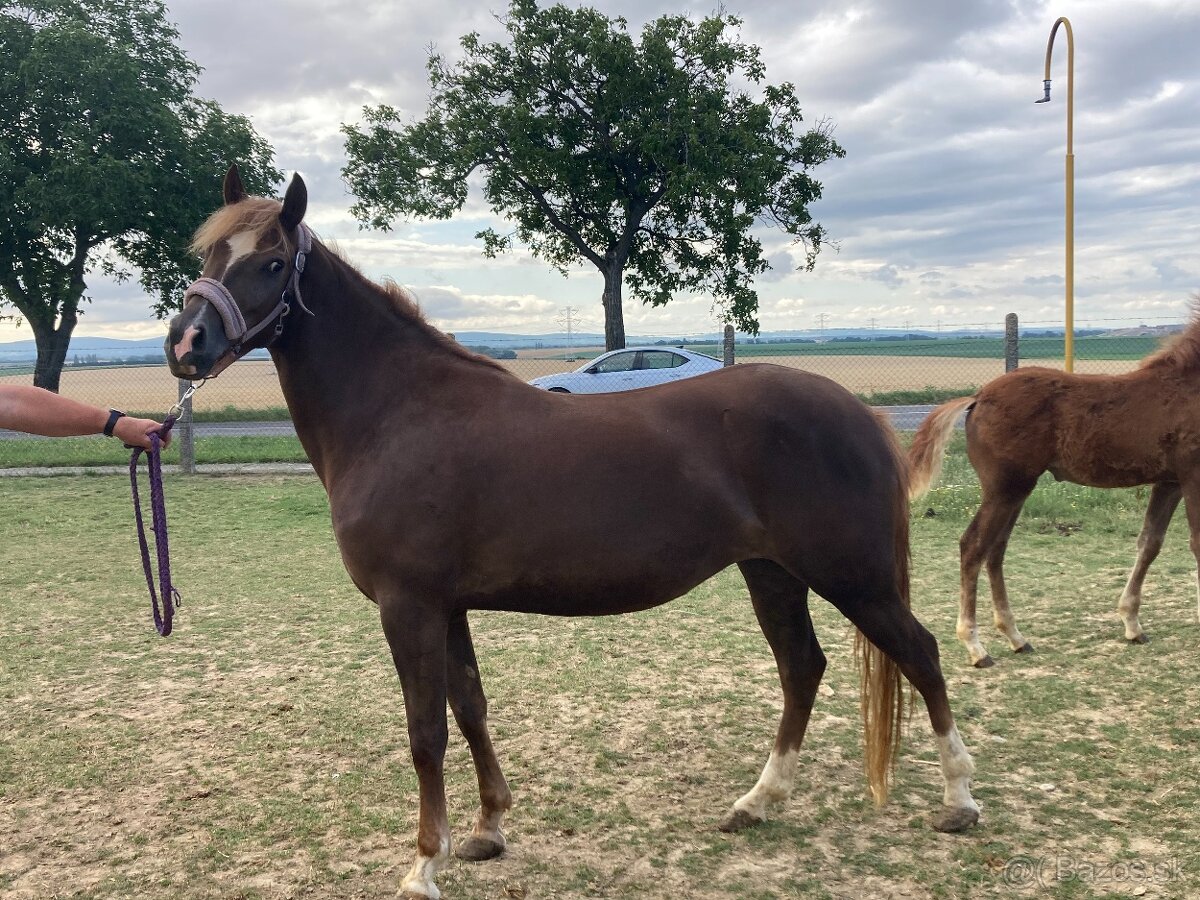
x: 136, y: 432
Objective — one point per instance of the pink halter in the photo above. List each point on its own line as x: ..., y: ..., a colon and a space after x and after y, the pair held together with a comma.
x: 232, y: 320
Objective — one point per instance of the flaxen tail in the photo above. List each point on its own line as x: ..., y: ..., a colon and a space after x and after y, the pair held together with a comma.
x: 883, y: 688
x: 929, y: 445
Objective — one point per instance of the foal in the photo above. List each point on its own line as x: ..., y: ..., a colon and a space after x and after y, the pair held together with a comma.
x: 1141, y: 427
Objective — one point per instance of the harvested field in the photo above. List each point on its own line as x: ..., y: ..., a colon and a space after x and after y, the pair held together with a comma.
x: 252, y: 384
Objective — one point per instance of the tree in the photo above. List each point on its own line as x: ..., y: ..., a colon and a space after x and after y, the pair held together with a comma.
x: 107, y: 160
x: 641, y: 158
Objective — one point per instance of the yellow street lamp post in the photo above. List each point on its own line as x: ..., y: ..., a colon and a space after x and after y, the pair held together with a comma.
x: 1069, y: 350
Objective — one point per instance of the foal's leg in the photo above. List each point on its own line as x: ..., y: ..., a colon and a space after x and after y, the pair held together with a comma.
x: 781, y: 604
x: 469, y: 705
x: 886, y: 622
x: 992, y: 523
x: 1001, y: 610
x: 1164, y: 498
x: 418, y: 644
x: 1191, y: 503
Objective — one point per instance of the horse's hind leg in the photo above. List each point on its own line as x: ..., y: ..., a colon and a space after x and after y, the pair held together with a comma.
x: 469, y: 705
x: 1001, y: 609
x: 985, y: 536
x: 890, y: 625
x: 1164, y: 499
x: 781, y: 604
x: 1191, y: 503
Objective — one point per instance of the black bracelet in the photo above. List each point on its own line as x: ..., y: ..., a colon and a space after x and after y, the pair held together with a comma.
x: 113, y: 415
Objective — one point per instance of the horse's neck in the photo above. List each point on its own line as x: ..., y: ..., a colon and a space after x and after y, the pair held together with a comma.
x: 352, y: 364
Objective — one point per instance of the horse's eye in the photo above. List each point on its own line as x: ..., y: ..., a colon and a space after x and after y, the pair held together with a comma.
x: 275, y: 266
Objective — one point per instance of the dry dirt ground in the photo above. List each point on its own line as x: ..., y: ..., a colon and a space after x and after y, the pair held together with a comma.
x: 260, y: 752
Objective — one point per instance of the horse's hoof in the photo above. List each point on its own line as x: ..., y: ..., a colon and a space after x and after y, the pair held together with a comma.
x: 1140, y: 639
x: 1024, y: 648
x: 477, y: 849
x: 986, y: 663
x: 738, y: 820
x: 953, y: 821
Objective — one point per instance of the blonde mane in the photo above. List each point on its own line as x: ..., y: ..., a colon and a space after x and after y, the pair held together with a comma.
x: 255, y: 215
x: 1182, y: 351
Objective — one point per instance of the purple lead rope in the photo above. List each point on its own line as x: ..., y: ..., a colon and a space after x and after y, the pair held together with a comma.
x: 158, y: 511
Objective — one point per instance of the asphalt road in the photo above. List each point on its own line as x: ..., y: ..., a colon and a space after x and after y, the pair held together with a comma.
x: 904, y: 418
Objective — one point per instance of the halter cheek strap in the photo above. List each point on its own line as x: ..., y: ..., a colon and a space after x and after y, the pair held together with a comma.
x: 234, y: 322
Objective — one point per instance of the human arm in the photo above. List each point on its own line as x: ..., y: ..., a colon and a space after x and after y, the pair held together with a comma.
x: 43, y: 412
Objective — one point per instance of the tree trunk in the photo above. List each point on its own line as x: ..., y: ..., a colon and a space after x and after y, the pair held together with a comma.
x: 52, y: 344
x: 614, y: 313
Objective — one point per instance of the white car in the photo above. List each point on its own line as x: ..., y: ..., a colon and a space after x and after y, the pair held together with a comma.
x: 633, y: 367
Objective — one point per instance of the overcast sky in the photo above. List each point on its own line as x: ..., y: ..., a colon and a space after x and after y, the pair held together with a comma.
x: 948, y: 207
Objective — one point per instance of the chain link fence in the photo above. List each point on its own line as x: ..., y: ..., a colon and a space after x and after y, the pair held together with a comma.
x: 242, y: 416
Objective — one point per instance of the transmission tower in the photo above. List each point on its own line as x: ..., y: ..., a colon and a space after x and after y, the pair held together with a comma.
x: 566, y: 321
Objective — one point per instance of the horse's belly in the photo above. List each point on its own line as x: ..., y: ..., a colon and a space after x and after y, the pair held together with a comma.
x: 602, y: 598
x: 1108, y: 473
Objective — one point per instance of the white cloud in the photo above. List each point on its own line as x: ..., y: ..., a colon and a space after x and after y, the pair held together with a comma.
x: 948, y: 204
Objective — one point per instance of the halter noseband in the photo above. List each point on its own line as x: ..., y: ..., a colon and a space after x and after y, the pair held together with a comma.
x: 234, y: 322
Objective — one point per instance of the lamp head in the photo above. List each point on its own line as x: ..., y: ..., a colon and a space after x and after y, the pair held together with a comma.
x: 1046, y: 88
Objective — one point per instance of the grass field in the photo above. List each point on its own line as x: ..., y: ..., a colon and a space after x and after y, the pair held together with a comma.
x: 1094, y: 347
x: 260, y: 751
x: 100, y: 451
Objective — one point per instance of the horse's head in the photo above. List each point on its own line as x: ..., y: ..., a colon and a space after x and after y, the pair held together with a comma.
x: 253, y: 254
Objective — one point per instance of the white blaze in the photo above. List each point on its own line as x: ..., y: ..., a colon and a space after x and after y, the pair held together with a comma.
x: 241, y: 245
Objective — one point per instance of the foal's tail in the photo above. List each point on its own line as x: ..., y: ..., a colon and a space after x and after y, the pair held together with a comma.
x: 929, y: 445
x: 884, y: 707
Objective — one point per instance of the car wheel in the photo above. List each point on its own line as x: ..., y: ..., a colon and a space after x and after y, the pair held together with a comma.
x: 558, y: 390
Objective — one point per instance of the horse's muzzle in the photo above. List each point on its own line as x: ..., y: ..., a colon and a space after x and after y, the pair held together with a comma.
x: 195, y: 342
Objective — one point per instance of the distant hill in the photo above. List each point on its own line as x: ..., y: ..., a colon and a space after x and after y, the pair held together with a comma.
x: 105, y: 350
x: 1145, y: 331
x: 587, y: 339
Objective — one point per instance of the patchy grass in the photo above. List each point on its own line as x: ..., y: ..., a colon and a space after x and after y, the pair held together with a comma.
x: 917, y: 396
x: 261, y: 751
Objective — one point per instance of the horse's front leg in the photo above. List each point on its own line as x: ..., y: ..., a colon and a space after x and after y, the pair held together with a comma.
x: 417, y: 638
x: 469, y: 705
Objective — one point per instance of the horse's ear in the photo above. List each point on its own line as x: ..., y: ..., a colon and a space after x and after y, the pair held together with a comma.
x: 295, y: 203
x: 233, y: 188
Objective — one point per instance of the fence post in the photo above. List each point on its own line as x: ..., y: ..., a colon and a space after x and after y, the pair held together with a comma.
x: 183, y: 432
x: 1011, y: 354
x: 729, y: 345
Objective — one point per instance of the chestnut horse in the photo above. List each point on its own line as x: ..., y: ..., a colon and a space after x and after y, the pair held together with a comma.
x: 1140, y: 427
x: 455, y: 486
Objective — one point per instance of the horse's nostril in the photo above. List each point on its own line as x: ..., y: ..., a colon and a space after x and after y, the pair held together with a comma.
x: 191, y: 341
